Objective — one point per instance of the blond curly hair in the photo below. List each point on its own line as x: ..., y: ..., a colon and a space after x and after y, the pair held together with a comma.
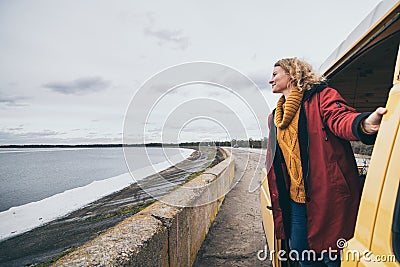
x: 301, y: 73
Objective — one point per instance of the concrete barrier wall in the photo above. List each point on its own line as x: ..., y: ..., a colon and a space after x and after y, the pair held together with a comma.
x: 162, y: 234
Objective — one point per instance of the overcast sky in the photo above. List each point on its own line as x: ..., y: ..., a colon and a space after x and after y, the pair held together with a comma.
x: 70, y: 69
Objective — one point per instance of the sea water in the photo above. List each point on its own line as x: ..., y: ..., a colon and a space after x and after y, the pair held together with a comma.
x: 40, y: 185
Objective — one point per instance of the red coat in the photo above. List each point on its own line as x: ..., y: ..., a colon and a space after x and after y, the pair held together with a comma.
x: 332, y: 184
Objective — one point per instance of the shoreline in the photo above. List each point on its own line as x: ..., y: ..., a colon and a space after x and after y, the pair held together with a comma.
x: 45, y: 242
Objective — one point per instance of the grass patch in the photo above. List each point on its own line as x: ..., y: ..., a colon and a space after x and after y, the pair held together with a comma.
x: 55, y: 258
x: 123, y: 211
x: 216, y: 159
x: 193, y: 175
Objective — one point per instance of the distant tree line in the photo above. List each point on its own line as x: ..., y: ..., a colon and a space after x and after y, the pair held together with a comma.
x: 252, y: 143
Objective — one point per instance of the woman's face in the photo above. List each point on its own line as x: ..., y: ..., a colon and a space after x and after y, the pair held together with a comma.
x: 279, y: 81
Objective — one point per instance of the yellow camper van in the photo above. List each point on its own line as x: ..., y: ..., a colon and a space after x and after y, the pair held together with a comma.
x: 365, y: 69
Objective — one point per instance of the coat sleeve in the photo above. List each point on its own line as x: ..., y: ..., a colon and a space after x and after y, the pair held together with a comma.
x: 343, y: 120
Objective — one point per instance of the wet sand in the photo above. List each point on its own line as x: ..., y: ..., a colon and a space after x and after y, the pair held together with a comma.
x: 43, y: 243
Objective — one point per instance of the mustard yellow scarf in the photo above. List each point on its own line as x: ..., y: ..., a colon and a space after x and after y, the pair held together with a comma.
x: 286, y: 120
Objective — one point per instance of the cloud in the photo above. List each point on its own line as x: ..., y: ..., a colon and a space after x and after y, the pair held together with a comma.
x: 12, y: 101
x: 165, y: 36
x: 14, y: 136
x: 19, y: 128
x: 44, y: 133
x: 79, y: 86
x: 51, y: 137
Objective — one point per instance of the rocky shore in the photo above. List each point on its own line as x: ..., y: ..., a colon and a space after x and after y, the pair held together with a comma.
x: 44, y: 243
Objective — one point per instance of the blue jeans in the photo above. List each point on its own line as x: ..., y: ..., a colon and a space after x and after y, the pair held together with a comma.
x: 298, y: 241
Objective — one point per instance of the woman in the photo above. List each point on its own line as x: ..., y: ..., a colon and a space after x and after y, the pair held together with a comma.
x: 314, y: 184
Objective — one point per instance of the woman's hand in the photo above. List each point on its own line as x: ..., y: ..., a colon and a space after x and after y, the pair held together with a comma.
x: 373, y: 121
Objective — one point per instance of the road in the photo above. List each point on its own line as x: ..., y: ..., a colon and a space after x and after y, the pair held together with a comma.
x: 236, y: 235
